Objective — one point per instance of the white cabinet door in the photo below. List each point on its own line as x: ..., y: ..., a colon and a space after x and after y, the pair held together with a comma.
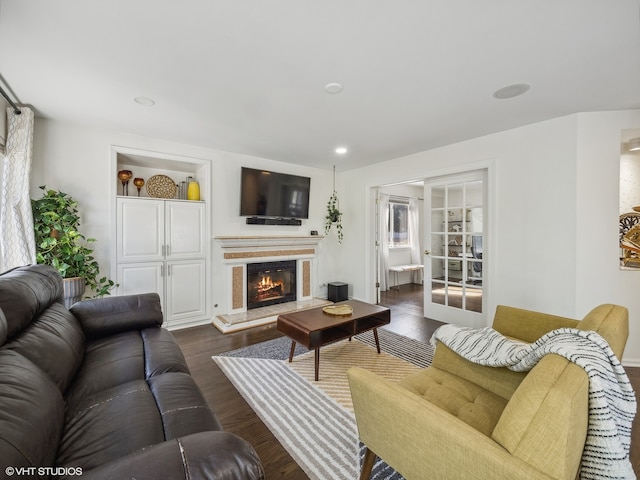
x: 161, y: 248
x: 140, y: 230
x: 185, y: 290
x: 185, y: 230
x: 136, y: 278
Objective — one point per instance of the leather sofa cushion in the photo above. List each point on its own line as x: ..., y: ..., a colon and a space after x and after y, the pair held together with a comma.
x: 22, y: 299
x: 161, y: 353
x: 182, y: 407
x: 4, y: 328
x: 475, y: 406
x: 132, y: 390
x: 54, y: 342
x: 29, y: 427
x: 110, y: 424
x: 107, y: 363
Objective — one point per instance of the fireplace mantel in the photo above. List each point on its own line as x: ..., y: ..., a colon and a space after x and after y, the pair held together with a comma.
x: 239, y: 251
x: 257, y: 241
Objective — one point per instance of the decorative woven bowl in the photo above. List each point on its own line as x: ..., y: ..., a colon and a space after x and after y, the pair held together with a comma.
x: 338, y: 309
x: 161, y: 186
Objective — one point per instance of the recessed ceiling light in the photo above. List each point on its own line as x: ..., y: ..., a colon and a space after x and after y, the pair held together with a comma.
x: 511, y: 91
x: 333, y: 88
x: 146, y: 101
x: 341, y: 150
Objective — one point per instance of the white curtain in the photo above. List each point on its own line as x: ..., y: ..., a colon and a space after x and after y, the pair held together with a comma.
x: 17, y: 241
x: 414, y: 238
x: 383, y: 241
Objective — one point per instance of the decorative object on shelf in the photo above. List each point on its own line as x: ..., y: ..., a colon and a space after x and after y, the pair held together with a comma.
x: 59, y: 244
x: 630, y: 240
x: 193, y: 189
x: 334, y: 215
x: 139, y: 183
x: 338, y: 309
x: 161, y: 186
x: 125, y: 176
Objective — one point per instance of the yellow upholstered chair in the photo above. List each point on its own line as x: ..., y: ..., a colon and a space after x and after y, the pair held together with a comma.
x: 458, y: 420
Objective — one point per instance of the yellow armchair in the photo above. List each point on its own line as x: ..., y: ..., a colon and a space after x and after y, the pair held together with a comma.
x: 458, y: 420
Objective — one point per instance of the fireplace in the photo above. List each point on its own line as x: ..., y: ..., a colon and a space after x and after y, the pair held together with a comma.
x: 269, y: 283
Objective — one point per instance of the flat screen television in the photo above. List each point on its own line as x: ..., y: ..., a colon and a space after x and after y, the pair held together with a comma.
x: 272, y: 194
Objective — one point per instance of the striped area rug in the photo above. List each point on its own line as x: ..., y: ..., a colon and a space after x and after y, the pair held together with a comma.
x: 336, y: 359
x: 314, y: 420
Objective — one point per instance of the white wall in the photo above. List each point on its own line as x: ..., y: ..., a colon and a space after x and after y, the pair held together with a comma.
x: 77, y: 160
x: 599, y: 278
x: 552, y: 243
x: 553, y: 189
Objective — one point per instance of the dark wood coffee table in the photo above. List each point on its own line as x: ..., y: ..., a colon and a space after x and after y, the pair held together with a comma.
x: 314, y: 328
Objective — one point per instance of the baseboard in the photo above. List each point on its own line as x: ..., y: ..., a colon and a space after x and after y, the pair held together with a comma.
x: 188, y: 324
x: 631, y: 362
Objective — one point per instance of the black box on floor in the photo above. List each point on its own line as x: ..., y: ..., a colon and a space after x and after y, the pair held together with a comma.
x: 338, y: 291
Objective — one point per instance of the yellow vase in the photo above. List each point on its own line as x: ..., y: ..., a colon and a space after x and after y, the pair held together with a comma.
x: 193, y: 191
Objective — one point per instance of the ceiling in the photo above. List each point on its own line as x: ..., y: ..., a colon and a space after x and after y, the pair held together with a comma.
x: 249, y: 76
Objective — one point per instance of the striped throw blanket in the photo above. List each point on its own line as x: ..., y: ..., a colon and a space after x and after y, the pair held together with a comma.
x: 612, y: 402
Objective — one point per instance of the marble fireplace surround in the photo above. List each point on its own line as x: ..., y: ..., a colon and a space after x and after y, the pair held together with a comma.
x: 238, y: 251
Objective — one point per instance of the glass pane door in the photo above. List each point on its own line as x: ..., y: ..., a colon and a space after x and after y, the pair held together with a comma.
x: 454, y: 261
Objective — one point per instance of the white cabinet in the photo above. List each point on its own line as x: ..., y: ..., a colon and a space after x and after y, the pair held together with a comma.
x: 161, y: 248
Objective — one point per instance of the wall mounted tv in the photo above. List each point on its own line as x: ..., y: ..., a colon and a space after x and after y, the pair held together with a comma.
x: 272, y: 194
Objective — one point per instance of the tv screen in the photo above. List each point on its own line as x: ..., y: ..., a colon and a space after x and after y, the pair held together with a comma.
x: 272, y: 194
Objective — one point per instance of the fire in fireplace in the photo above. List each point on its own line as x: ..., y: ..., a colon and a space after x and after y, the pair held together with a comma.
x: 269, y: 283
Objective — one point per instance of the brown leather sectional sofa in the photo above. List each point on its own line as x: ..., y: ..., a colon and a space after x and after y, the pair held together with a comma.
x: 102, y: 391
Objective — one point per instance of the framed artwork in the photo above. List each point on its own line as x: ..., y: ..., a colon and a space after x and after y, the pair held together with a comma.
x: 629, y: 211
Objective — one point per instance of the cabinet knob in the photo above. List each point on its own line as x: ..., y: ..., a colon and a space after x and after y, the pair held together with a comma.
x: 427, y: 252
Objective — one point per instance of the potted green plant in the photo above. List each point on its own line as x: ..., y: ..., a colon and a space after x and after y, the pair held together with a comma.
x: 59, y: 244
x: 334, y: 216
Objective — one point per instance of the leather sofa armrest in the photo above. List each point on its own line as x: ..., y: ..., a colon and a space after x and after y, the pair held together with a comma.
x: 204, y: 455
x: 421, y: 440
x: 106, y: 316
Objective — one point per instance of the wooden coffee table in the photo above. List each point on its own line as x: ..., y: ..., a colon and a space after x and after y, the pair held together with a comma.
x: 314, y: 328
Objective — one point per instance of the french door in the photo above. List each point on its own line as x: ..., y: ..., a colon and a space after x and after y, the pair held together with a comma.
x: 455, y: 242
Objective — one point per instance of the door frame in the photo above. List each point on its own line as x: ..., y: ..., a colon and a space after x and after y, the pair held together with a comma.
x: 488, y: 164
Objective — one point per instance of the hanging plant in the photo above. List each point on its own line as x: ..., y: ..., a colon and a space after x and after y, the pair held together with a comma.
x: 334, y: 215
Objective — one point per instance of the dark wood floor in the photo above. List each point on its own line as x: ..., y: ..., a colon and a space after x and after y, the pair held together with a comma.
x: 200, y: 343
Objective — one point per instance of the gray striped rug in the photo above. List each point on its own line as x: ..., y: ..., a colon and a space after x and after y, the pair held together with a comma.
x: 307, y: 417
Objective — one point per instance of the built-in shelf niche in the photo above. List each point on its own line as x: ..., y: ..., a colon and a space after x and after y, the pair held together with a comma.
x: 146, y: 165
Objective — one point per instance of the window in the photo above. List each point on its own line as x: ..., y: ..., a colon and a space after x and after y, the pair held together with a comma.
x: 398, y: 223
